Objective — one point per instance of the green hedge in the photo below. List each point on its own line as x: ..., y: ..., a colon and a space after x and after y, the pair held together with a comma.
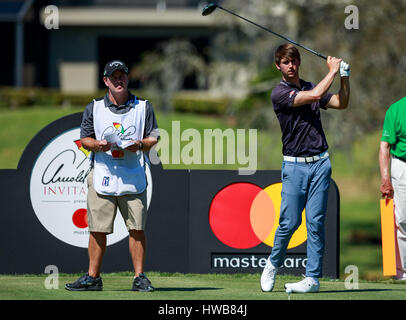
x: 200, y: 105
x: 13, y: 98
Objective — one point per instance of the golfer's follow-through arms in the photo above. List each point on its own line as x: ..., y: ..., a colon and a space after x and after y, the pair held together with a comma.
x: 210, y: 8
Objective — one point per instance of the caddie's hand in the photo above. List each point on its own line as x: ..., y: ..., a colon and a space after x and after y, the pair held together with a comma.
x: 333, y: 64
x: 344, y: 69
x: 386, y: 189
x: 135, y: 147
x: 102, y: 146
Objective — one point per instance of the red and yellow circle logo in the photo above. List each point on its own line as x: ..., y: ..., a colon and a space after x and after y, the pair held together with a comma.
x: 242, y: 215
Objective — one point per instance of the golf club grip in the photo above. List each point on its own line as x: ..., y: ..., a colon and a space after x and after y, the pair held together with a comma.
x: 276, y: 34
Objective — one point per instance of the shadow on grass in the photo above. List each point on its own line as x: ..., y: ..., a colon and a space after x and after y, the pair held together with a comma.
x: 187, y: 289
x: 177, y: 289
x: 359, y: 290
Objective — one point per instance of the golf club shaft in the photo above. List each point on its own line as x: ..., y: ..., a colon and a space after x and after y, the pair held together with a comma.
x: 276, y: 34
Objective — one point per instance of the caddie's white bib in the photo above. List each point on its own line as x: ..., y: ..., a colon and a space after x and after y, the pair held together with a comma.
x: 118, y: 171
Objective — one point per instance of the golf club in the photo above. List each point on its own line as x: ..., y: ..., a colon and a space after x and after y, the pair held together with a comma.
x: 210, y: 8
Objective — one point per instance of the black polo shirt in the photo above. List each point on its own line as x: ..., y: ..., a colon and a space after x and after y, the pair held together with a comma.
x: 302, y: 132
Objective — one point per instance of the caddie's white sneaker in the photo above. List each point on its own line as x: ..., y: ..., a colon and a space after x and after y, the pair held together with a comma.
x: 308, y: 284
x: 268, y: 276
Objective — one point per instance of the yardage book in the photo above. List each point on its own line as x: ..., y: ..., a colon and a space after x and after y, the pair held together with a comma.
x: 114, y: 139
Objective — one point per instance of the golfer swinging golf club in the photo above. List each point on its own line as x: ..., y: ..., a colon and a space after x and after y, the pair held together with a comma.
x: 306, y: 167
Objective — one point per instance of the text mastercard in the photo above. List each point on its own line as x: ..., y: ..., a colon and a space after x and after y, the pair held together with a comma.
x: 243, y: 215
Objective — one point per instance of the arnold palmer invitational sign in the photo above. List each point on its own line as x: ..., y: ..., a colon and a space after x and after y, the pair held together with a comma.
x: 58, y: 190
x: 199, y: 221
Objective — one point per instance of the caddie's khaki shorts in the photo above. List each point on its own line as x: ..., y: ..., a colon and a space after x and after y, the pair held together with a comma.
x: 102, y: 209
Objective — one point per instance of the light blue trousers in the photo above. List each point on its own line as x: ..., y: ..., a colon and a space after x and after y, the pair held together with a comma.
x: 304, y: 186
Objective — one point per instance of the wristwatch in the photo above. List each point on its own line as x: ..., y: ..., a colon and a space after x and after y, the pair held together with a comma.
x: 140, y: 145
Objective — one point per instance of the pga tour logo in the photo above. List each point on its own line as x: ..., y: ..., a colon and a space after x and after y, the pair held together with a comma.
x: 58, y: 191
x: 106, y: 181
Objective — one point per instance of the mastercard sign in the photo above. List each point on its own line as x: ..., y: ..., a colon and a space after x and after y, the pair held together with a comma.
x: 233, y: 221
x: 242, y: 215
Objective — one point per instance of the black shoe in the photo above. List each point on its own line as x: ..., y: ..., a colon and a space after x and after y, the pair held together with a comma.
x: 141, y: 283
x: 86, y: 283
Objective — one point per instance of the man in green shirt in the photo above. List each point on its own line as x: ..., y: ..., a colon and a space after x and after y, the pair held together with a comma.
x: 392, y: 163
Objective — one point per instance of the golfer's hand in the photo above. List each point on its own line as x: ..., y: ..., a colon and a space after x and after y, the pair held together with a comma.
x: 134, y: 147
x: 386, y: 189
x: 102, y: 146
x: 344, y: 69
x: 333, y: 64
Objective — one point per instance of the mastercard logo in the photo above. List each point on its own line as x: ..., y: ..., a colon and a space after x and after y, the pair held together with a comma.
x: 79, y: 218
x: 243, y: 215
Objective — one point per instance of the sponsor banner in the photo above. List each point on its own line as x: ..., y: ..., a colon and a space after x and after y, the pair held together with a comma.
x: 233, y: 222
x: 58, y: 191
x: 199, y: 221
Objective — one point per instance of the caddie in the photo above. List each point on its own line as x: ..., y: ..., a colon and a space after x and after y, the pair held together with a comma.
x: 118, y: 129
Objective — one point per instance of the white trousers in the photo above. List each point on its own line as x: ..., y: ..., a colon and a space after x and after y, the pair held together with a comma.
x: 398, y: 173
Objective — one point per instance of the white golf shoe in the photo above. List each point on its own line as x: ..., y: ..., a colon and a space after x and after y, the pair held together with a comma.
x: 401, y: 276
x: 308, y: 284
x: 268, y: 276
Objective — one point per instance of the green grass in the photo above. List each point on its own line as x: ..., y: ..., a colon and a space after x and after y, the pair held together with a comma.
x: 117, y: 286
x: 18, y: 127
x: 196, y: 122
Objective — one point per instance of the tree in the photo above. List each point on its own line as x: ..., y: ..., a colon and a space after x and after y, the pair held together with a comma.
x: 163, y: 71
x: 374, y: 51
